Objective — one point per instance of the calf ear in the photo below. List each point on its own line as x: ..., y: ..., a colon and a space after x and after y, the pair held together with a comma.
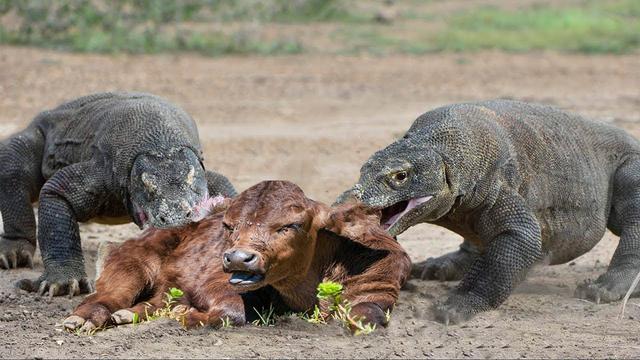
x: 320, y: 217
x: 354, y: 221
x: 211, y: 205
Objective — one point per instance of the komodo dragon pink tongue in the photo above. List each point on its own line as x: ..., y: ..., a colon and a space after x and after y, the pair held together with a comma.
x: 411, y: 204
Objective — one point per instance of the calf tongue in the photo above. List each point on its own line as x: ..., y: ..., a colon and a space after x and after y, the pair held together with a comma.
x: 240, y: 278
x: 411, y: 204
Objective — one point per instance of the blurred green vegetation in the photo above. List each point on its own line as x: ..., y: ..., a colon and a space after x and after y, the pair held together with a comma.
x: 595, y: 27
x: 215, y: 27
x: 149, y: 26
x: 587, y: 27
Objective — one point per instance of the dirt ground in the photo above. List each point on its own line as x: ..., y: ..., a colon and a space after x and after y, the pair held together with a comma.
x: 314, y: 120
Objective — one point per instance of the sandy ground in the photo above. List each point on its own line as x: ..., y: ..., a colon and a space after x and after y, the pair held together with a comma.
x: 314, y: 120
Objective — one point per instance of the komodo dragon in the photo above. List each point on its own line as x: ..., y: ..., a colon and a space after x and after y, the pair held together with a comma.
x: 109, y: 157
x: 523, y: 184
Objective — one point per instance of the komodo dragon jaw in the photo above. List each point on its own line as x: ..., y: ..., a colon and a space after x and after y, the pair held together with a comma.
x: 393, y: 214
x: 407, y: 189
x: 169, y: 189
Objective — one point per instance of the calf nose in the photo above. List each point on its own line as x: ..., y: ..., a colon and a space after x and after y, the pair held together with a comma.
x: 240, y: 260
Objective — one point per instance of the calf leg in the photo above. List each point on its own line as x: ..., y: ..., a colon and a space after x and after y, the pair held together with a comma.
x: 448, y: 267
x: 625, y: 263
x: 20, y: 183
x: 127, y: 274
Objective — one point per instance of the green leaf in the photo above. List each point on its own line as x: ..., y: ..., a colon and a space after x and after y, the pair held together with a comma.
x: 329, y: 289
x: 176, y: 293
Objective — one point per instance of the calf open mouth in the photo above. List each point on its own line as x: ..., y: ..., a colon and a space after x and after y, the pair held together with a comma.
x: 392, y: 214
x: 245, y: 278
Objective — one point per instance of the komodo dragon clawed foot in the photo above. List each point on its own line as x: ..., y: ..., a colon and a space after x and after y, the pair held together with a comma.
x: 56, y: 283
x: 16, y: 253
x: 610, y: 286
x: 448, y: 267
x: 459, y: 308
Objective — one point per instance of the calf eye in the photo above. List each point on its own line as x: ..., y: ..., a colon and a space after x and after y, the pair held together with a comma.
x: 286, y: 228
x: 228, y: 227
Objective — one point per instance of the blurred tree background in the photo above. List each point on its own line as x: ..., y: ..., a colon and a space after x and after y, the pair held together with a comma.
x: 215, y: 27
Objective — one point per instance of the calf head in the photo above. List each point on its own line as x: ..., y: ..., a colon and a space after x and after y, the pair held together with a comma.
x: 168, y: 190
x: 273, y: 229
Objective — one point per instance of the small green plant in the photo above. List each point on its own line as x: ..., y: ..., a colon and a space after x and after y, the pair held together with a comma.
x: 266, y: 317
x: 169, y: 309
x: 316, y: 317
x: 226, y: 322
x: 331, y: 293
x: 174, y: 294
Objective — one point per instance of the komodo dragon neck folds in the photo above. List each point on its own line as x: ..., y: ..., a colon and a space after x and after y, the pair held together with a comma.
x: 522, y: 183
x: 114, y: 157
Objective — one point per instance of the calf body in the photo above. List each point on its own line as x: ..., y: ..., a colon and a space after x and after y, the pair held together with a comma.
x: 110, y: 157
x: 522, y: 183
x: 272, y: 246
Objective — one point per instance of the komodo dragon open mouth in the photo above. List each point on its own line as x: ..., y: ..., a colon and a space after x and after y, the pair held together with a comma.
x: 392, y: 214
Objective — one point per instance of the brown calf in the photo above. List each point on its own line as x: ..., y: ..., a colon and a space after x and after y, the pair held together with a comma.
x: 271, y: 245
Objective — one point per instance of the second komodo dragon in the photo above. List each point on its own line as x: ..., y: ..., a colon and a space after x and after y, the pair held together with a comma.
x: 523, y: 184
x: 109, y: 157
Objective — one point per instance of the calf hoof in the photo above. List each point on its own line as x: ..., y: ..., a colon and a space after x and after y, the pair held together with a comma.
x: 78, y: 324
x: 610, y: 286
x: 88, y: 318
x: 123, y: 316
x: 370, y: 313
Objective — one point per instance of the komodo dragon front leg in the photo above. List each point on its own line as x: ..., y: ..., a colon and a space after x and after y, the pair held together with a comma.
x: 448, y: 267
x: 20, y: 182
x: 514, y: 245
x: 218, y: 184
x: 75, y: 193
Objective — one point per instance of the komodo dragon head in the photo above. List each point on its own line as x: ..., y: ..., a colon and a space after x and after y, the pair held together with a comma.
x: 409, y: 182
x: 168, y: 189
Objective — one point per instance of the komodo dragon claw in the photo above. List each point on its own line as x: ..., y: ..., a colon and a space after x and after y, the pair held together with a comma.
x: 16, y: 253
x: 56, y: 286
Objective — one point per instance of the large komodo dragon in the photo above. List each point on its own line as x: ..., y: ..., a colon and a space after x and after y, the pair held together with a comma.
x: 523, y: 184
x: 110, y: 157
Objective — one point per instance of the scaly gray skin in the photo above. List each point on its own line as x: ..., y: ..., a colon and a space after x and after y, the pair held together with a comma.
x: 110, y: 157
x: 522, y: 183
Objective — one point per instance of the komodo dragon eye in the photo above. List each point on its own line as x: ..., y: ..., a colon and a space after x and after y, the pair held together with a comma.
x: 400, y: 177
